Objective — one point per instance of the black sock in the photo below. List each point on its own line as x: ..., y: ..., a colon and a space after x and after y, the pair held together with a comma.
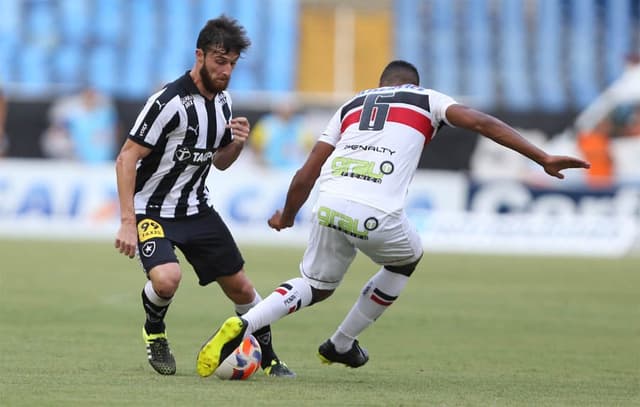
x: 263, y: 335
x: 154, y: 323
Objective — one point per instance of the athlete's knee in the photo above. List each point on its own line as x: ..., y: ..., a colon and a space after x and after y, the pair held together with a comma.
x: 318, y: 295
x: 405, y: 269
x: 165, y: 279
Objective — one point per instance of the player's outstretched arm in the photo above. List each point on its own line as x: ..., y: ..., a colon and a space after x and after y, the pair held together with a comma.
x: 493, y: 128
x: 301, y: 186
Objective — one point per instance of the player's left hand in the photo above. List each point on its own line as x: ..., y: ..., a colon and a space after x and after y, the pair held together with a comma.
x: 556, y: 163
x: 240, y: 128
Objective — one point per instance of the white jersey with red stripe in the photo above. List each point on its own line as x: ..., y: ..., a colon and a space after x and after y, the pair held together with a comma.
x: 378, y: 136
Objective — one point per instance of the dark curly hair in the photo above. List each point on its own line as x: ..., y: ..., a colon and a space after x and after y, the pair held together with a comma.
x: 223, y: 33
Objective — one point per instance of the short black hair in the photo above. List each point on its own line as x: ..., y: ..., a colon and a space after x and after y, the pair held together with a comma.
x: 223, y: 33
x: 399, y: 72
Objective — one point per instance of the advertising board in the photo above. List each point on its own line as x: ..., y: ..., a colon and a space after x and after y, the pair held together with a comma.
x: 49, y: 199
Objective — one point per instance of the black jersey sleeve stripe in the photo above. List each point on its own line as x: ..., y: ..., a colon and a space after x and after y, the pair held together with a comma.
x: 351, y: 105
x: 138, y: 140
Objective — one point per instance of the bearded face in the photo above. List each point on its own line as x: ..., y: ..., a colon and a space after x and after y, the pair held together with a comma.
x: 216, y: 69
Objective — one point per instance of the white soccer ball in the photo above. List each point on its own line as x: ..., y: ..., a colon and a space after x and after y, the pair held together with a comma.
x: 243, y: 362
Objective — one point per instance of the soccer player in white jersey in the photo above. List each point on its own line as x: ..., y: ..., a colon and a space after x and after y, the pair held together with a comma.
x: 363, y: 164
x: 182, y: 131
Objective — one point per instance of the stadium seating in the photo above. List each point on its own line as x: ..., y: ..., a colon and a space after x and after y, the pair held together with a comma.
x: 617, y: 36
x: 10, y: 27
x: 103, y: 69
x: 582, y: 54
x: 442, y: 43
x: 75, y: 21
x: 281, y: 41
x: 108, y: 26
x: 66, y: 65
x: 478, y: 72
x: 520, y: 55
x: 548, y: 75
x: 513, y: 58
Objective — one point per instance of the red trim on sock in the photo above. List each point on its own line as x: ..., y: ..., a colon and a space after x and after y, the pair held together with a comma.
x: 380, y: 301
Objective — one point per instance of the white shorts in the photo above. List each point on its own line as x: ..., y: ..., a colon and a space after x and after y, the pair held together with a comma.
x: 341, y: 227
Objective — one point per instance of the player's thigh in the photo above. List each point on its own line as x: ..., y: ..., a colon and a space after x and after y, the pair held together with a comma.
x: 327, y: 257
x: 155, y: 243
x: 393, y: 241
x: 210, y: 248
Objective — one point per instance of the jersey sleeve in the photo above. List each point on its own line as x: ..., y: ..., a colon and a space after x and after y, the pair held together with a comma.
x: 331, y: 135
x: 153, y: 120
x: 439, y: 104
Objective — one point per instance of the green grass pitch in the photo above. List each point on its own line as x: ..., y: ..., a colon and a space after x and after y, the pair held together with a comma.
x: 467, y: 331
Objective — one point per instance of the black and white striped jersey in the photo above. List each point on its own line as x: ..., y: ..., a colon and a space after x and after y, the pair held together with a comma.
x: 184, y: 130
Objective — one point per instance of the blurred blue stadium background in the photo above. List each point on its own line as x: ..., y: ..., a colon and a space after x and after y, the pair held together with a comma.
x: 126, y: 48
x: 533, y: 63
x: 520, y: 54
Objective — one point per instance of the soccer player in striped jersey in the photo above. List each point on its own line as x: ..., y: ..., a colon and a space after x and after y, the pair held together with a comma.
x: 363, y: 164
x: 161, y: 169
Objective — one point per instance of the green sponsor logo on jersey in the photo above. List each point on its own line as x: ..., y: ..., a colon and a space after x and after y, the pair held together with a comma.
x: 360, y: 169
x: 339, y: 221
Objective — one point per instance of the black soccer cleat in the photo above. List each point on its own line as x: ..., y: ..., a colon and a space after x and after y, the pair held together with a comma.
x: 355, y: 357
x: 158, y: 353
x: 278, y: 368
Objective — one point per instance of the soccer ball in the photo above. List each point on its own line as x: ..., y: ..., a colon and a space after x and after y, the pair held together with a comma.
x: 243, y: 362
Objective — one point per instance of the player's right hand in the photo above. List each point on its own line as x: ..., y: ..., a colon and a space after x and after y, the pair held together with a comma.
x: 127, y: 240
x: 276, y: 222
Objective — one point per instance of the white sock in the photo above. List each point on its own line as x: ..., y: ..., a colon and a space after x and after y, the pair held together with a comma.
x: 289, y: 297
x: 378, y: 294
x: 154, y: 297
x: 242, y: 309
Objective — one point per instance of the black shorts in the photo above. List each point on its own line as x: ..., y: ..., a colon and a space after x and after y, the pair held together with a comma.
x: 204, y: 239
